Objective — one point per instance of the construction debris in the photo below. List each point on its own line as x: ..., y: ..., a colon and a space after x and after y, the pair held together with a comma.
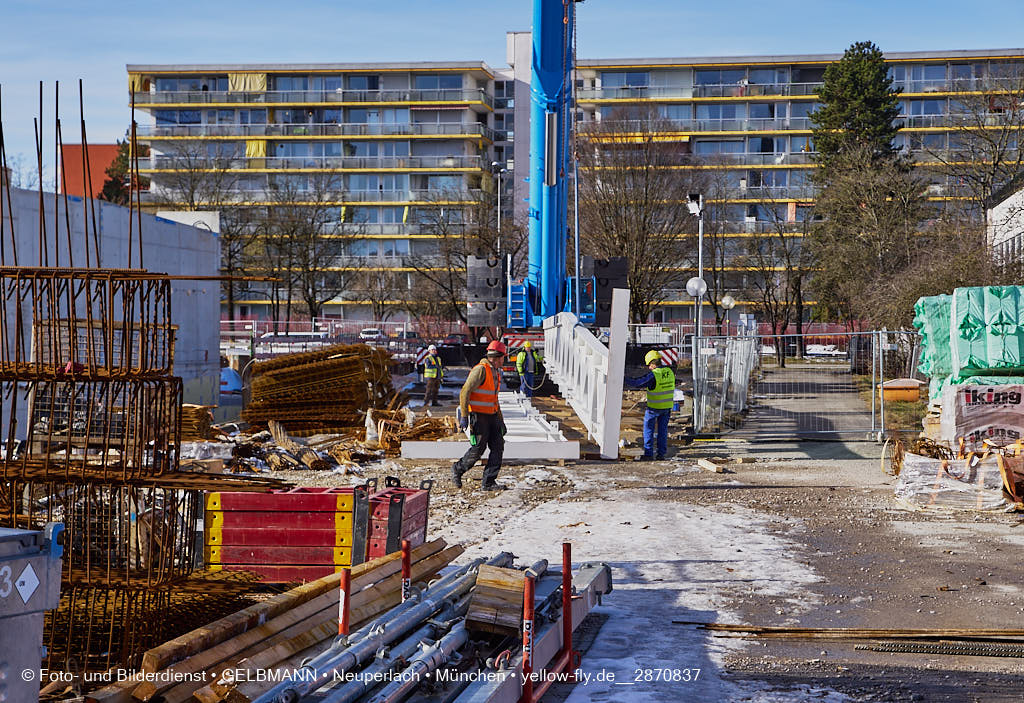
x: 196, y: 423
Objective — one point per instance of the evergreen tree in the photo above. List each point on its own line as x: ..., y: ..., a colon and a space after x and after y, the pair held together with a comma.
x: 115, y: 188
x: 858, y: 108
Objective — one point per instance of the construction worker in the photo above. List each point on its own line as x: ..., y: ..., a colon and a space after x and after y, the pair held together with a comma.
x: 660, y: 382
x: 478, y: 406
x: 433, y: 372
x: 527, y: 363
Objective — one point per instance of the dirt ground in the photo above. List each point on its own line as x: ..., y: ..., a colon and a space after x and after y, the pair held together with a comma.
x: 807, y: 535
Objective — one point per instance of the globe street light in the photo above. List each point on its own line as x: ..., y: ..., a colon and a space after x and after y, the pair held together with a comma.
x: 728, y: 303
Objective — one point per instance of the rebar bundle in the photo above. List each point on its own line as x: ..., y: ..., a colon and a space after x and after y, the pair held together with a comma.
x: 91, y: 427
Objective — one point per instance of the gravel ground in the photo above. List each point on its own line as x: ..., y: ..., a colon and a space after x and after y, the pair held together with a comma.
x: 854, y: 558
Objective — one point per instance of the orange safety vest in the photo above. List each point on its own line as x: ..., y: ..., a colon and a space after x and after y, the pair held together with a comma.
x: 485, y: 398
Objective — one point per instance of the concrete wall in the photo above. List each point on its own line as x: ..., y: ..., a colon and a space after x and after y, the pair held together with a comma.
x: 1006, y: 226
x: 168, y: 247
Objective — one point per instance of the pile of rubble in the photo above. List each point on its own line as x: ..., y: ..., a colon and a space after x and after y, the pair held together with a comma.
x: 253, y: 450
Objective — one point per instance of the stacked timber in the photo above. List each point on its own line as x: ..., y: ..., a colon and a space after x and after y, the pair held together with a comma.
x: 196, y: 423
x: 497, y: 601
x: 327, y: 390
x: 276, y: 634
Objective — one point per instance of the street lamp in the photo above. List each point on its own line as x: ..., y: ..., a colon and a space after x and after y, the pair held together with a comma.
x: 696, y: 287
x: 695, y: 204
x: 498, y: 171
x: 728, y: 303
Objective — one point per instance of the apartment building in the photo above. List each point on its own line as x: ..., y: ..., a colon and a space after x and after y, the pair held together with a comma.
x: 380, y: 148
x: 400, y: 134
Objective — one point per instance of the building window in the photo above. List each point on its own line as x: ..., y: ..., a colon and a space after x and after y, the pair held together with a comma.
x: 767, y: 111
x: 364, y: 82
x: 291, y: 83
x: 625, y: 79
x: 252, y: 116
x: 730, y: 146
x: 720, y: 111
x: 675, y: 112
x: 437, y: 81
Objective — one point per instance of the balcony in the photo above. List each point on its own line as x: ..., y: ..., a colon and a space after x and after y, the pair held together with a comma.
x: 332, y: 129
x: 330, y: 97
x: 745, y: 125
x: 373, y: 261
x: 776, y: 192
x: 340, y: 196
x: 367, y: 163
x: 727, y: 90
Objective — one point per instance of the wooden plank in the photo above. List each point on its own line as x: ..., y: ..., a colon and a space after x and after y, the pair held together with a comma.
x: 711, y: 466
x: 497, y: 601
x: 218, y: 631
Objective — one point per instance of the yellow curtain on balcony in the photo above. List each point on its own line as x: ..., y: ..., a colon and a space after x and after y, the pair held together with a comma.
x: 247, y: 82
x: 134, y: 83
x: 256, y: 152
x: 405, y: 215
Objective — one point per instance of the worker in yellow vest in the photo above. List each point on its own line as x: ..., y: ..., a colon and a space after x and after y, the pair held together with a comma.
x: 660, y: 382
x: 527, y: 364
x: 480, y: 414
x: 433, y: 372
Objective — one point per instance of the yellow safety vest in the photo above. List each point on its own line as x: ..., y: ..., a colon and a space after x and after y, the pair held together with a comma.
x: 432, y: 367
x: 663, y: 394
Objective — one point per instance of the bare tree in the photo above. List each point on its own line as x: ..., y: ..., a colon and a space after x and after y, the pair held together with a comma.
x: 380, y: 288
x: 871, y: 213
x: 203, y: 175
x: 633, y: 197
x: 298, y: 237
x: 986, y: 122
x: 462, y: 225
x: 777, y: 262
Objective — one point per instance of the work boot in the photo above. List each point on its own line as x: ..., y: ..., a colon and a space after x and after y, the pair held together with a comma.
x: 647, y: 457
x: 456, y: 476
x: 494, y: 487
x: 661, y: 457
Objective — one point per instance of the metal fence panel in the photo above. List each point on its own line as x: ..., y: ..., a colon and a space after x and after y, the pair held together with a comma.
x: 828, y: 386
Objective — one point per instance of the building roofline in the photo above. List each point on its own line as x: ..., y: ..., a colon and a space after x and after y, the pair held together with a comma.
x: 312, y: 67
x: 798, y: 58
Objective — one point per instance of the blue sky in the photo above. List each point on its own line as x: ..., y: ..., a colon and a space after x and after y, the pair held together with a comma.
x: 66, y: 40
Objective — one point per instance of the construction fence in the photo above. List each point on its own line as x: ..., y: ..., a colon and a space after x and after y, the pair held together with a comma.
x: 812, y: 385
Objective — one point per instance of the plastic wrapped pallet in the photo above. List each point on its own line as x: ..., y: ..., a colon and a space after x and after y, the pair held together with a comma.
x: 975, y: 483
x: 987, y: 330
x: 980, y: 414
x: 931, y: 318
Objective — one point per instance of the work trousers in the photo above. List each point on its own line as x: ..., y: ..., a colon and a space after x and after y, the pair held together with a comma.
x: 656, y: 422
x: 487, y: 429
x: 433, y: 384
x: 526, y: 384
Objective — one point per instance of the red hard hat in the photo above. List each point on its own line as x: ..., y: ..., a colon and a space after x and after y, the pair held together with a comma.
x: 496, y: 346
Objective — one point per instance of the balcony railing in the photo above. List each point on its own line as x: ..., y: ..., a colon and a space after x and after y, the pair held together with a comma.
x: 726, y: 90
x: 331, y: 129
x: 229, y: 195
x: 777, y: 192
x: 283, y: 97
x: 439, y: 163
x: 744, y: 125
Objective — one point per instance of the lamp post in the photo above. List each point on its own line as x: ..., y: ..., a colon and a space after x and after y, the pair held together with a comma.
x: 498, y: 172
x: 696, y: 287
x: 695, y: 204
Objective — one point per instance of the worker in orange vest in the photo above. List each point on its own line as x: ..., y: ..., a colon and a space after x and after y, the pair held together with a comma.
x: 480, y: 414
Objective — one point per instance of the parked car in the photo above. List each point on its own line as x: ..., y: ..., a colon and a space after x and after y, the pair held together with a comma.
x: 455, y: 339
x: 824, y: 350
x: 230, y: 381
x: 371, y: 334
x: 405, y: 338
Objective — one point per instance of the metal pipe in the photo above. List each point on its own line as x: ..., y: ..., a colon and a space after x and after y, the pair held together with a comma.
x: 406, y: 571
x: 429, y: 659
x: 538, y: 568
x: 344, y: 602
x: 380, y: 632
x: 567, y: 624
x: 386, y: 661
x: 529, y: 586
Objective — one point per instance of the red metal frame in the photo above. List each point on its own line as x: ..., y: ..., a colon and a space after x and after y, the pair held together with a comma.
x: 343, y: 602
x: 406, y: 570
x: 567, y: 658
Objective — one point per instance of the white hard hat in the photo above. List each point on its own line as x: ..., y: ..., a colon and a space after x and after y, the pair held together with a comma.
x: 431, y: 348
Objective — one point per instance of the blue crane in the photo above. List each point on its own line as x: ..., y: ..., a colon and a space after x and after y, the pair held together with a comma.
x: 544, y: 291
